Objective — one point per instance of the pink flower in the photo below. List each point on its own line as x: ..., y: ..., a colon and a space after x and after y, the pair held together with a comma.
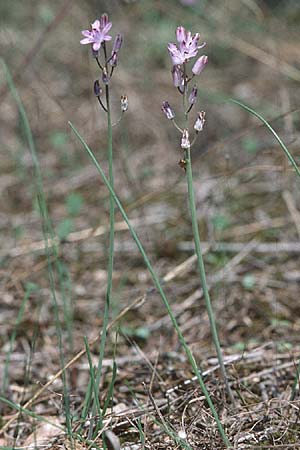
x: 199, y: 65
x: 187, y: 46
x: 98, y: 33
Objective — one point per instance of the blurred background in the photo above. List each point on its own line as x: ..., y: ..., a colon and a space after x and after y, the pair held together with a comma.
x: 245, y: 187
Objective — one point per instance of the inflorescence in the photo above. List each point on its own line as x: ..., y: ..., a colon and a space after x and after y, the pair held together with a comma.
x: 186, y: 49
x: 97, y: 37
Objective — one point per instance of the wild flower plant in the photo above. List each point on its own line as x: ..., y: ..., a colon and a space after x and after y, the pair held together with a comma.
x: 186, y: 50
x: 97, y: 37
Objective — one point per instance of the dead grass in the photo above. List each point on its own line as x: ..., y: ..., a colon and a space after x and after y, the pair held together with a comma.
x: 248, y: 200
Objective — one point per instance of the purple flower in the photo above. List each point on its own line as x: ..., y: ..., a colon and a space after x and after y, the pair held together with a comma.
x: 167, y: 110
x: 98, y: 33
x: 200, y: 64
x: 187, y: 46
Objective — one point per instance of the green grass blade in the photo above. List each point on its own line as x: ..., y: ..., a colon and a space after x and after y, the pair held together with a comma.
x: 157, y: 285
x: 40, y: 418
x: 46, y: 228
x: 282, y: 145
x: 29, y: 413
x: 95, y: 388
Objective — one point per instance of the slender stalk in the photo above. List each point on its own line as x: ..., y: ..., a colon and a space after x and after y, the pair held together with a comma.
x: 111, y: 242
x: 158, y: 287
x: 201, y: 269
x: 282, y: 145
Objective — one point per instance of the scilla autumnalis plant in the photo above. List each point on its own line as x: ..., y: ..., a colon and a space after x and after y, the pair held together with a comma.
x: 185, y: 51
x: 98, y: 37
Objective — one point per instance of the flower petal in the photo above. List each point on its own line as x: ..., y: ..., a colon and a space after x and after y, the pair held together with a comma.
x: 96, y: 25
x: 107, y: 28
x: 96, y: 46
x: 86, y: 41
x: 86, y: 33
x: 199, y: 65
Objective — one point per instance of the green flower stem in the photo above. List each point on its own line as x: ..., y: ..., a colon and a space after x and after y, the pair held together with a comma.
x: 201, y: 268
x: 111, y: 240
x: 282, y: 145
x: 111, y: 250
x: 158, y: 287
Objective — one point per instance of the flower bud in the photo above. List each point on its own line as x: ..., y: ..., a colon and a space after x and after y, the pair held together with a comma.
x: 193, y: 95
x: 199, y: 124
x: 180, y: 34
x: 167, y: 110
x: 103, y: 20
x: 124, y: 103
x: 117, y: 44
x: 177, y: 76
x: 105, y: 77
x: 97, y: 88
x: 113, y: 61
x: 199, y: 65
x: 185, y: 140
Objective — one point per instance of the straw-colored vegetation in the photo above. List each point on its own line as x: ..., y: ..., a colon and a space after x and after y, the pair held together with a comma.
x: 56, y: 216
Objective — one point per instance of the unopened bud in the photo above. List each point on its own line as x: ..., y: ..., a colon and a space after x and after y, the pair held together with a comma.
x: 177, y: 76
x: 124, y: 103
x: 199, y: 65
x: 105, y: 77
x: 97, y: 88
x: 167, y: 110
x: 185, y: 140
x: 103, y: 20
x: 117, y: 44
x: 200, y: 121
x: 193, y: 95
x: 113, y: 61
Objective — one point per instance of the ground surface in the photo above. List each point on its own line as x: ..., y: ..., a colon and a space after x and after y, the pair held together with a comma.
x: 248, y: 202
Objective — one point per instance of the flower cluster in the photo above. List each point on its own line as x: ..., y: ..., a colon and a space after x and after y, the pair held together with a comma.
x: 97, y: 37
x: 181, y: 53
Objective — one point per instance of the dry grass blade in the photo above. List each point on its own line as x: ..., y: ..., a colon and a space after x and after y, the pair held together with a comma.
x: 70, y: 363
